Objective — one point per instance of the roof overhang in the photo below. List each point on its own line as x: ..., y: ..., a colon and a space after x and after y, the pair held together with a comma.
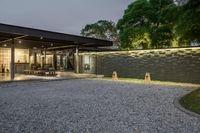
x: 41, y: 38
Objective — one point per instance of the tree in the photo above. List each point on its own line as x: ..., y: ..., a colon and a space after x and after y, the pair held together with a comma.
x: 102, y: 29
x: 135, y: 24
x: 188, y: 25
x: 163, y: 33
x: 147, y: 24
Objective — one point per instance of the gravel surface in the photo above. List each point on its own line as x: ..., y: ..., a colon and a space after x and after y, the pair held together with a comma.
x: 92, y: 106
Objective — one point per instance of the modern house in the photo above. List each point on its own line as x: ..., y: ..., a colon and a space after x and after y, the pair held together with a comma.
x: 23, y: 49
x: 44, y: 53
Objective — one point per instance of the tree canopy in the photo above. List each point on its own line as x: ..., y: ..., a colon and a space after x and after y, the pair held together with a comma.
x: 151, y: 24
x: 102, y: 29
x: 188, y: 24
x: 147, y: 23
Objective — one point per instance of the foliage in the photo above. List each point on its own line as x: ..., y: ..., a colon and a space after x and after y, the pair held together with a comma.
x: 148, y: 23
x: 151, y: 24
x: 188, y: 24
x: 102, y: 29
x: 135, y: 23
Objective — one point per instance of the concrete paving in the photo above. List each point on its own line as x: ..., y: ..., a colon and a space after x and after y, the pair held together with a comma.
x: 60, y: 75
x: 92, y: 106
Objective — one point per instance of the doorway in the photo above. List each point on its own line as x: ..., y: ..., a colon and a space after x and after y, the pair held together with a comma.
x: 65, y: 60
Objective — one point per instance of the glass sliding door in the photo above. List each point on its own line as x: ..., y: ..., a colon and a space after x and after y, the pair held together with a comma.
x: 5, y: 58
x: 21, y: 59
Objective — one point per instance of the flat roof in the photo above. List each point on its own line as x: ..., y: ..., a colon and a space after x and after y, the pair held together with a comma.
x: 42, y: 38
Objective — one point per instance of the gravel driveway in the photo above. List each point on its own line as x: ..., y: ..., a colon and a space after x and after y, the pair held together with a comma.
x: 92, y: 106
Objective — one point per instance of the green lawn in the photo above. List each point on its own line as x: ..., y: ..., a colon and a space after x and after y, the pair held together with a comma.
x: 191, y: 101
x: 153, y: 81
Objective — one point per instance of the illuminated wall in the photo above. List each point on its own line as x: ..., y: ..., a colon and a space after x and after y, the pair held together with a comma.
x: 177, y: 64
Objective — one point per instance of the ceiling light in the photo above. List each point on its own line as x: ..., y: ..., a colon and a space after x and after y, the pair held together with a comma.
x: 5, y: 45
x: 20, y: 41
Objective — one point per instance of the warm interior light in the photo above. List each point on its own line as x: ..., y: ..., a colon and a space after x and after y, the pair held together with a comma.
x: 20, y: 41
x: 5, y: 45
x: 18, y: 53
x: 51, y: 44
x: 17, y: 56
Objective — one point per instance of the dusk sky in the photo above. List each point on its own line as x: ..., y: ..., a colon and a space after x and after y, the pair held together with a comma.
x: 67, y: 16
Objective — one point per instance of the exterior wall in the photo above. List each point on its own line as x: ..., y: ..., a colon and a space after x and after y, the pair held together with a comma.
x: 178, y: 64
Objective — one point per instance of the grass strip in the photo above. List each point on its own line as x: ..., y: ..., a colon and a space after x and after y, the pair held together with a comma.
x: 191, y: 101
x: 153, y: 81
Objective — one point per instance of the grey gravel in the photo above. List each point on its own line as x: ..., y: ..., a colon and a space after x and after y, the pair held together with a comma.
x: 92, y: 106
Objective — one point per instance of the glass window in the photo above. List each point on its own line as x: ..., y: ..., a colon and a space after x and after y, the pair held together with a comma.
x: 86, y: 62
x: 5, y: 58
x: 21, y: 55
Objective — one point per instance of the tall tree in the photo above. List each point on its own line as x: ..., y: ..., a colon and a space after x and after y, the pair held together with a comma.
x: 188, y: 26
x: 135, y: 25
x: 102, y: 29
x: 162, y: 33
x: 147, y: 23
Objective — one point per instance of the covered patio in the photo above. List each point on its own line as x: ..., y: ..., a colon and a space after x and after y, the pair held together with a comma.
x: 26, y: 51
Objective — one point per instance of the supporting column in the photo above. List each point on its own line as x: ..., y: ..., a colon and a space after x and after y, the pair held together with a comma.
x: 45, y: 56
x: 96, y: 65
x: 43, y: 63
x: 35, y: 58
x: 55, y: 60
x: 61, y: 60
x: 12, y: 64
x: 77, y: 60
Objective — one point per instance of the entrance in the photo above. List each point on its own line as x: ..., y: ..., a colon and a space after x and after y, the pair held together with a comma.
x: 65, y: 60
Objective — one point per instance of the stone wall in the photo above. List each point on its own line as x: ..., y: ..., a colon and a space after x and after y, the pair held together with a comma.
x: 177, y: 64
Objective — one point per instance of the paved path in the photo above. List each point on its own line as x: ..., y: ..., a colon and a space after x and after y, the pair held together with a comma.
x: 93, y: 106
x: 60, y: 75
